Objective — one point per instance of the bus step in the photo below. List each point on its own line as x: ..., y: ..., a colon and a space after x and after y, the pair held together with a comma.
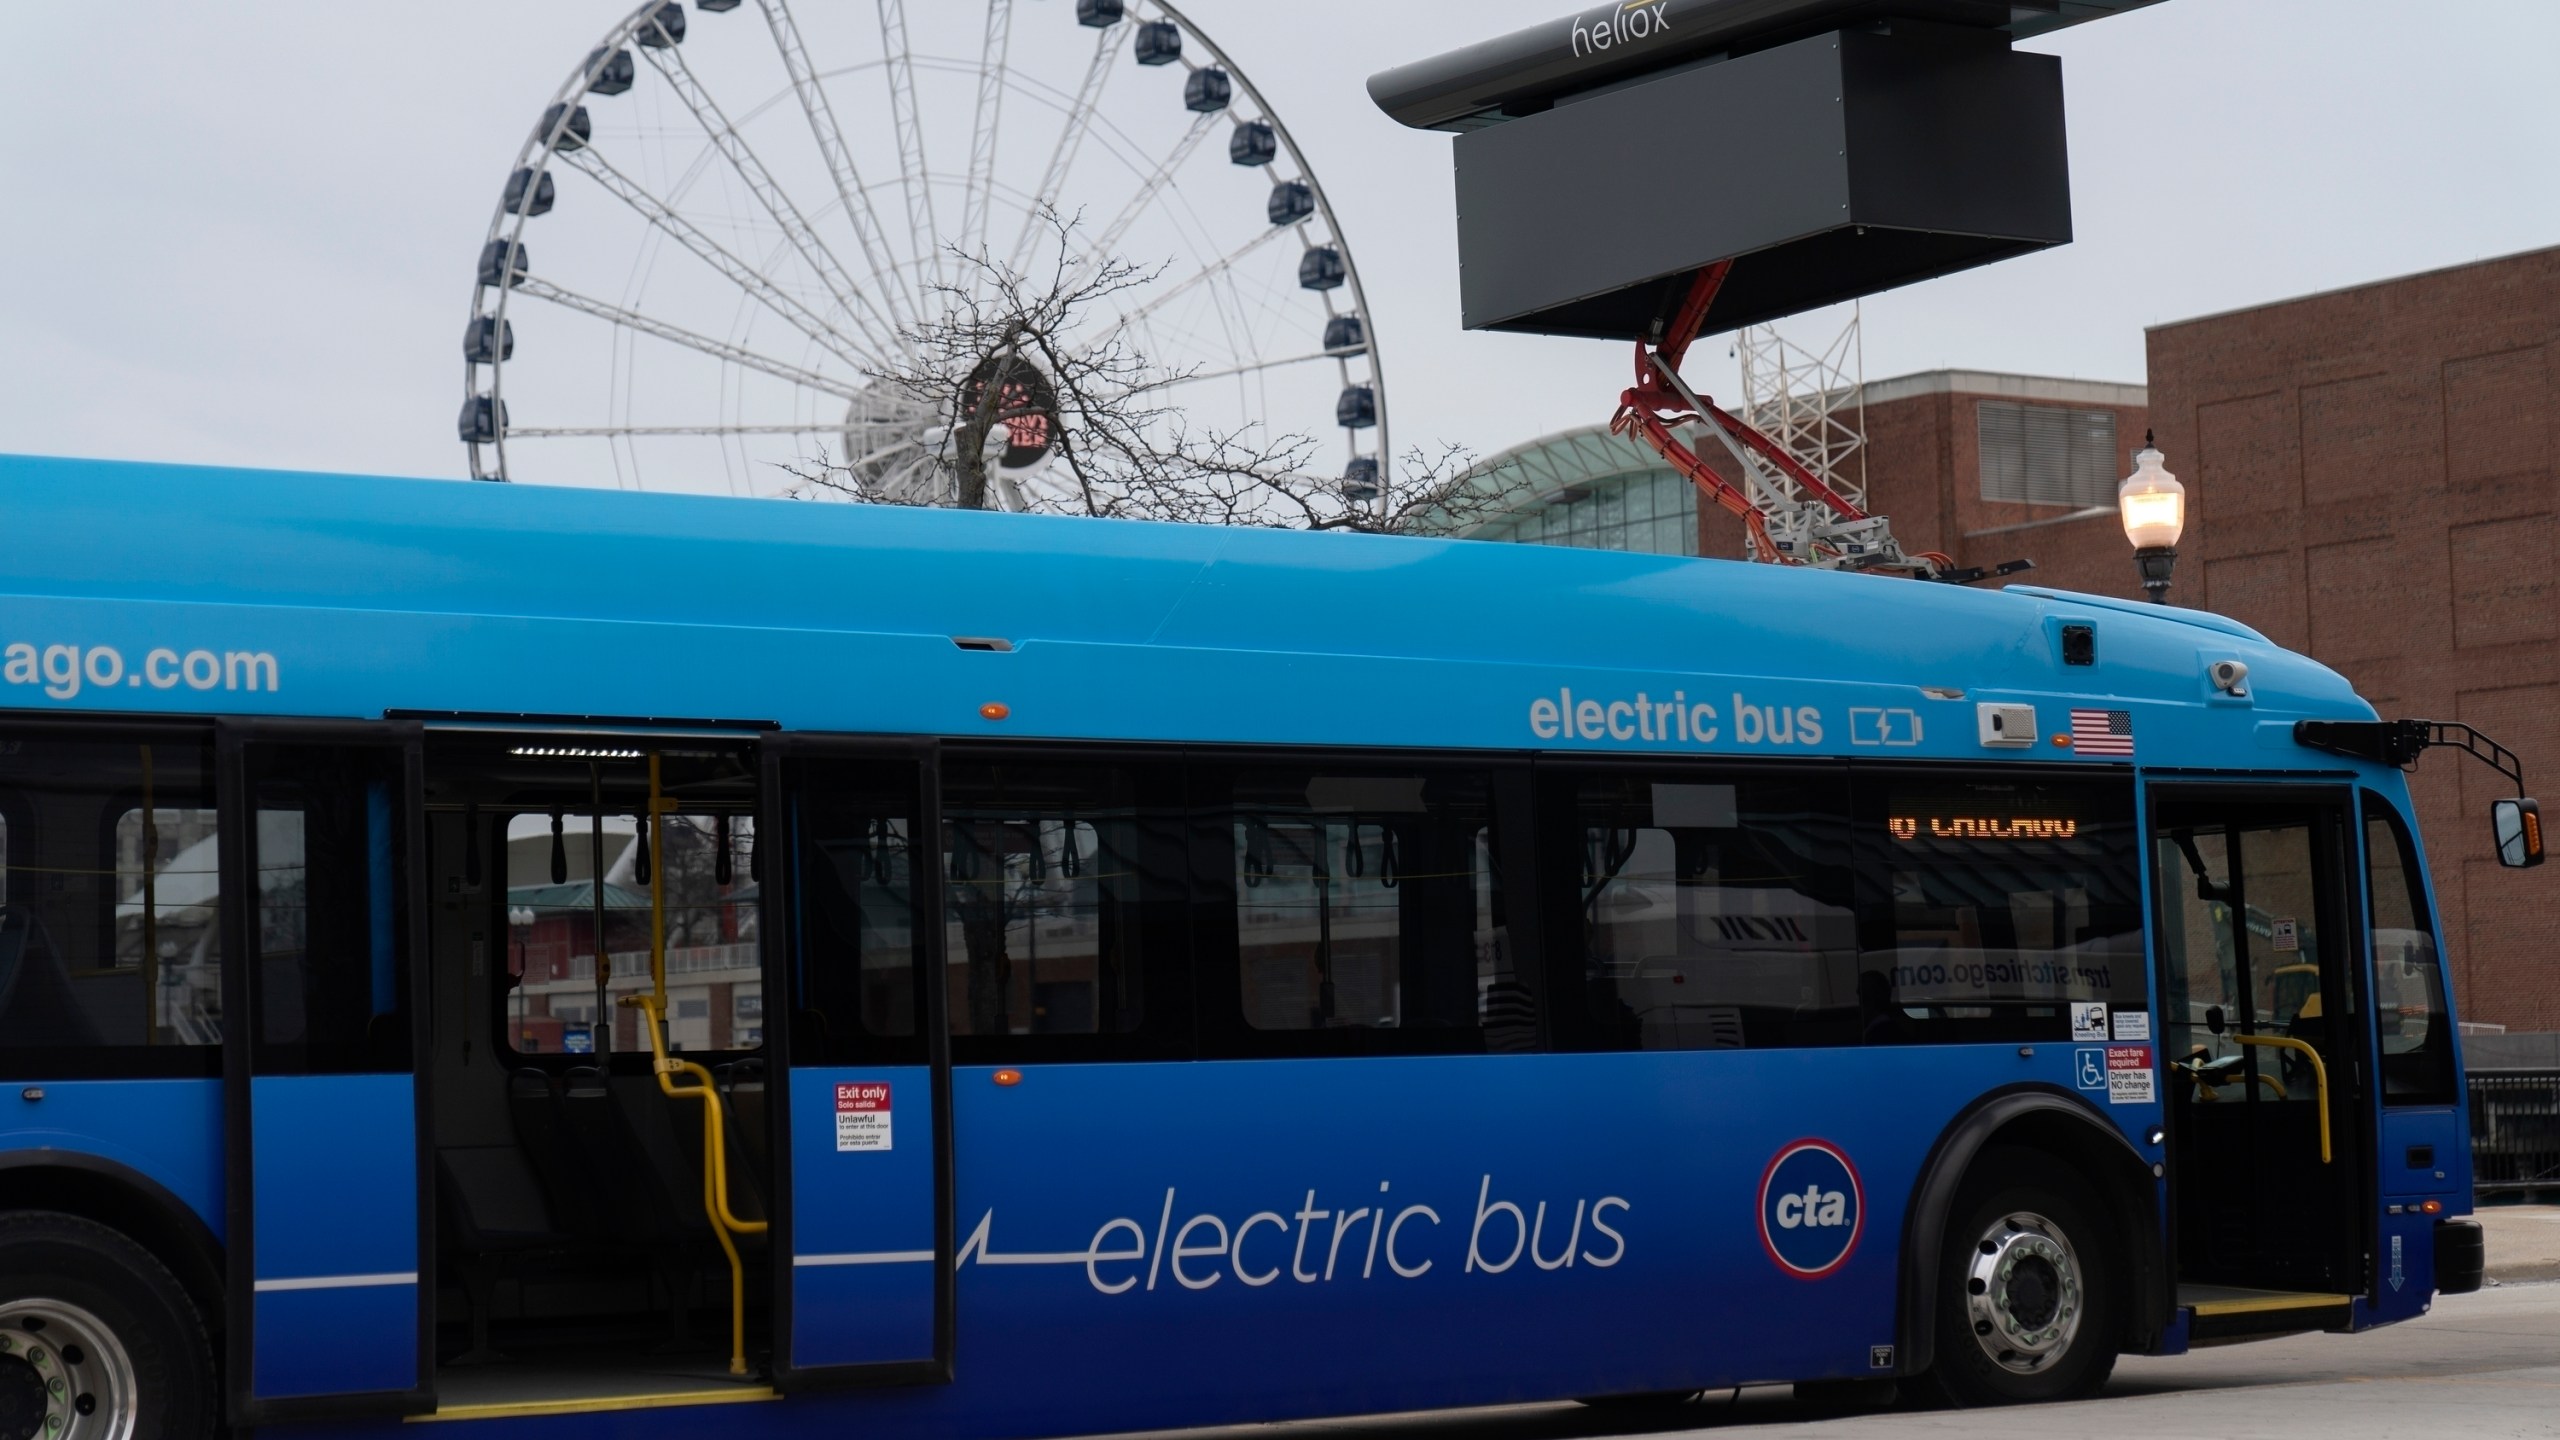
x: 2231, y: 1312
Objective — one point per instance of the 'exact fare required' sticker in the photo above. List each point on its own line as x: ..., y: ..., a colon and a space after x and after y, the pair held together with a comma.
x: 862, y: 1116
x: 2129, y: 1076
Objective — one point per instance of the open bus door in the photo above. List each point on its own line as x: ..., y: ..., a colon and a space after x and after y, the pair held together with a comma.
x: 855, y: 980
x: 2260, y: 935
x: 2422, y: 1152
x: 329, y: 1231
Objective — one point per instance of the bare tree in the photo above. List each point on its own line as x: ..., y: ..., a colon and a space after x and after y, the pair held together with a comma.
x: 1006, y: 367
x: 1429, y: 493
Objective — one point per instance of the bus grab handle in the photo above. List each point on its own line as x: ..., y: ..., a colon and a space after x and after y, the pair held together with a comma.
x: 2319, y: 1076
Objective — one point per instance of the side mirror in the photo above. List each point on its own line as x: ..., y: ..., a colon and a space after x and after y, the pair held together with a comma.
x: 2516, y: 825
x: 2213, y: 1018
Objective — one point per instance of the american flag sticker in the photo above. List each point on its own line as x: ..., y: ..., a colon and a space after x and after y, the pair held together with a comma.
x: 2102, y: 732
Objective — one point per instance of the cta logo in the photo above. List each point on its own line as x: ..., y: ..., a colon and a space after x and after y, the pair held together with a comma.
x: 1811, y: 1209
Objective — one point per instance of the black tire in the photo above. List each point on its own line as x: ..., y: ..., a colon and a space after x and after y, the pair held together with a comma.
x: 52, y: 1259
x: 2063, y: 1291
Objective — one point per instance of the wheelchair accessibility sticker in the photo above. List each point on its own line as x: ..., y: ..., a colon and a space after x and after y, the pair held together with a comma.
x: 2123, y: 1071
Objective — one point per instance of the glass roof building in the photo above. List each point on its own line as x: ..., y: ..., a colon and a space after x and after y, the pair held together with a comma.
x: 1586, y: 488
x: 1962, y: 460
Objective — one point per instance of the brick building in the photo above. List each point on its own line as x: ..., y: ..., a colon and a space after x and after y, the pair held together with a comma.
x: 2370, y: 480
x: 1985, y: 468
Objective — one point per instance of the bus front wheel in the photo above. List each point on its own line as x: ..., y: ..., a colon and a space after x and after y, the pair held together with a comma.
x: 2028, y: 1297
x: 98, y: 1341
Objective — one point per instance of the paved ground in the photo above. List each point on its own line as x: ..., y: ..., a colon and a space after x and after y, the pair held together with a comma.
x: 2481, y: 1367
x: 2524, y: 1242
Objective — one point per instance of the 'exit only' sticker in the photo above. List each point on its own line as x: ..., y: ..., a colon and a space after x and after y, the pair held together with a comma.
x: 862, y: 1116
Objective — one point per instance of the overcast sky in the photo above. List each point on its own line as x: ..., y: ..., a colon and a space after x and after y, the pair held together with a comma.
x: 243, y: 234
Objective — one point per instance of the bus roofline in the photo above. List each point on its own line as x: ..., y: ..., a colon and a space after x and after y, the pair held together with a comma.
x: 2201, y: 619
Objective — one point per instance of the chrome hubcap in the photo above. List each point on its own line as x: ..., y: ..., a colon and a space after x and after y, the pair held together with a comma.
x: 63, y: 1375
x: 2024, y: 1292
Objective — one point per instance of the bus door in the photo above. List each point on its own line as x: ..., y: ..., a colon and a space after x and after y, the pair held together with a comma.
x: 863, y: 1242
x: 2421, y: 1155
x: 327, y: 1225
x: 2259, y: 941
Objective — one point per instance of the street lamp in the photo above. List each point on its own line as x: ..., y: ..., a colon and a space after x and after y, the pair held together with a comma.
x: 2154, y: 506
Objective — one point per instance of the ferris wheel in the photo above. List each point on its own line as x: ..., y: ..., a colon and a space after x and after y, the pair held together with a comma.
x: 722, y: 235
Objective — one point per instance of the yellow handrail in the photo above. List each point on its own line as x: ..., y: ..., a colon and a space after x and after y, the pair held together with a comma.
x: 2204, y: 1088
x: 2319, y: 1076
x: 715, y: 1151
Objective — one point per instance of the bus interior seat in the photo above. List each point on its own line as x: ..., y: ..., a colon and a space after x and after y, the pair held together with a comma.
x: 642, y: 1209
x: 494, y: 1218
x: 37, y: 1006
x: 741, y: 1090
x: 743, y: 1093
x: 2311, y: 1026
x: 599, y: 1180
x: 533, y: 1104
x: 650, y: 1117
x: 669, y: 1129
x: 608, y: 1155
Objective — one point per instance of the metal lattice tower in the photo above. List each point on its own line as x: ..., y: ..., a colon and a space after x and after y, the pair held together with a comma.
x: 1813, y: 402
x: 1791, y: 512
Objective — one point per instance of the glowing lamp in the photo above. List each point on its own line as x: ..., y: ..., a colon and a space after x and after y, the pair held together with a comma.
x: 2154, y: 507
x: 2153, y: 503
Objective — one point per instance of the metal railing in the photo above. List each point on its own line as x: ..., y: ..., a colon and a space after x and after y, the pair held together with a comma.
x: 2515, y: 1133
x: 743, y: 955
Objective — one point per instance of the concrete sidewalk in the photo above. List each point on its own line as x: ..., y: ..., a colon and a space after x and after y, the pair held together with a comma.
x: 2524, y: 1242
x: 2480, y: 1367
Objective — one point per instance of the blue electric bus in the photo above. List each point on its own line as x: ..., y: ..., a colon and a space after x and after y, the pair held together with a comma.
x: 561, y: 960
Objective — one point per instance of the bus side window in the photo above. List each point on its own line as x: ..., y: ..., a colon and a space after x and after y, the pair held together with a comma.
x: 1715, y: 909
x: 1370, y: 900
x: 1063, y: 887
x: 2408, y: 971
x: 854, y: 962
x: 176, y: 849
x: 110, y: 958
x: 715, y: 969
x: 1989, y: 904
x: 330, y: 933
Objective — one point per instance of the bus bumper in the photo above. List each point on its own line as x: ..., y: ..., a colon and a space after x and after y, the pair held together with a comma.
x: 2461, y: 1255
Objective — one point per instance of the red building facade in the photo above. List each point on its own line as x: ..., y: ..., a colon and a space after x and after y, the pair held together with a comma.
x: 1950, y: 452
x: 2370, y: 480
